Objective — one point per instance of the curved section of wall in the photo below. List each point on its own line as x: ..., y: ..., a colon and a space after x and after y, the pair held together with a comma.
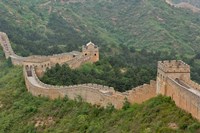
x: 34, y: 66
x: 74, y: 59
x: 91, y: 93
x: 173, y: 79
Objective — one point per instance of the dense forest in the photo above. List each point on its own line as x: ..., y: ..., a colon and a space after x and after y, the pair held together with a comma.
x: 43, y: 27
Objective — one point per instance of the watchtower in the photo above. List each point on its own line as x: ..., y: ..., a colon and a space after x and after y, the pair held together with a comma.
x: 174, y: 69
x: 91, y: 50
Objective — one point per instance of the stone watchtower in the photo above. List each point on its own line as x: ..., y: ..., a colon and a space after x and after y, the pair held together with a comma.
x: 174, y: 69
x: 91, y: 50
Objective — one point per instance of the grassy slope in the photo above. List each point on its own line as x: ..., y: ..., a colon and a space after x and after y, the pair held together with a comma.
x: 110, y: 24
x: 21, y: 110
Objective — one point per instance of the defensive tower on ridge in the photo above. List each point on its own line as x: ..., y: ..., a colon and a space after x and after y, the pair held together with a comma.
x: 174, y: 69
x: 92, y: 50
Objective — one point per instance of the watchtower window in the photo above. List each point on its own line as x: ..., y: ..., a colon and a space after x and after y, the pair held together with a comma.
x: 95, y: 54
x: 85, y: 54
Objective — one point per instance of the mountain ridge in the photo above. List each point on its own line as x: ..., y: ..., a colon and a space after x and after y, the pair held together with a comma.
x: 70, y: 25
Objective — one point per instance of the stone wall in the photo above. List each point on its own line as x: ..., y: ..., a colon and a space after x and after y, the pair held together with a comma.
x: 191, y: 83
x: 91, y: 93
x: 90, y: 53
x: 35, y: 66
x: 5, y: 43
x: 173, y: 79
x: 173, y: 68
x: 184, y: 97
x: 142, y: 93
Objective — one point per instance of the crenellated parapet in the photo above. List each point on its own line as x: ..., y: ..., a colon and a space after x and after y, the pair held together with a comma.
x: 174, y: 69
x: 173, y: 66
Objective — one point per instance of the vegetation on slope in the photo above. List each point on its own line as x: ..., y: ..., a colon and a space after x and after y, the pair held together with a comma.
x: 55, y: 27
x: 20, y: 112
x: 99, y: 73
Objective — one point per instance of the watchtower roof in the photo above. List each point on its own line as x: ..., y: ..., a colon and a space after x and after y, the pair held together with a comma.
x: 90, y: 43
x: 173, y: 66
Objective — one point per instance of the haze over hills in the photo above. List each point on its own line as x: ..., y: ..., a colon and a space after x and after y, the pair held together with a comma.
x: 57, y: 26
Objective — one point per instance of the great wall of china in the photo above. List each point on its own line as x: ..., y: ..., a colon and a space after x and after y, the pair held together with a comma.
x: 173, y: 79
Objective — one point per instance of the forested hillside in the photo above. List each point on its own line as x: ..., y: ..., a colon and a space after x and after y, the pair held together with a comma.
x: 46, y: 27
x: 132, y: 35
x: 20, y: 112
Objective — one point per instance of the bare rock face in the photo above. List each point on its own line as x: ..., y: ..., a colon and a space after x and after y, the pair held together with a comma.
x: 173, y: 126
x: 40, y: 121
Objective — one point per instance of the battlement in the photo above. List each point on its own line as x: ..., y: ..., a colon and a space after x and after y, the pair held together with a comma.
x: 173, y: 66
x: 36, y: 59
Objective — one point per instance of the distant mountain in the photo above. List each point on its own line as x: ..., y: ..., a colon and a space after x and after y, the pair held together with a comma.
x: 46, y: 27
